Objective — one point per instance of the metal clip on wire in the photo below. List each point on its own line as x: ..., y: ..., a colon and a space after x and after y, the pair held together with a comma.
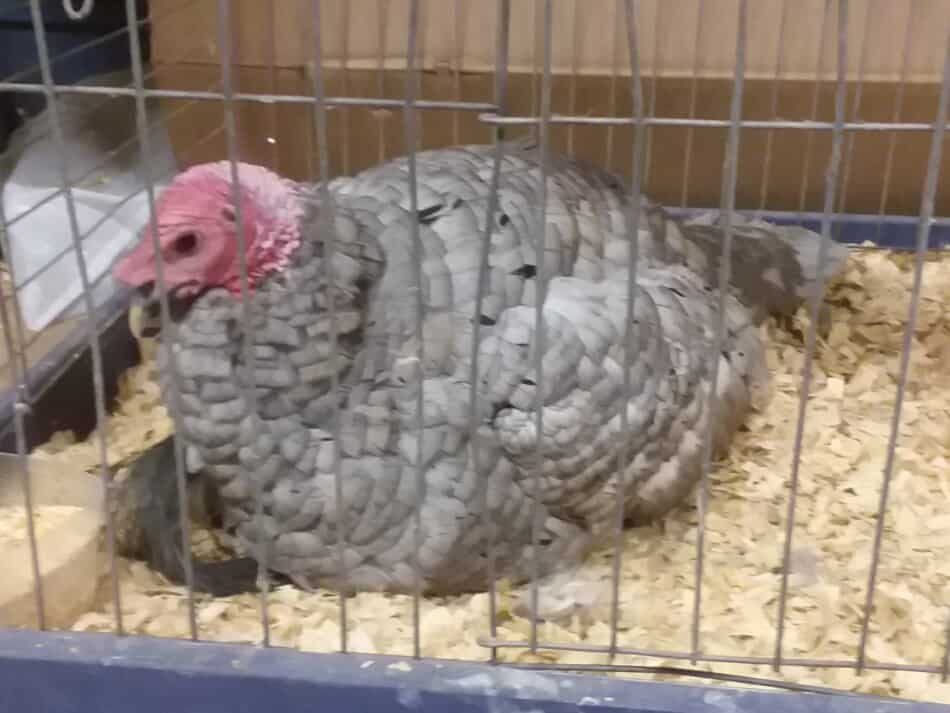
x: 82, y: 13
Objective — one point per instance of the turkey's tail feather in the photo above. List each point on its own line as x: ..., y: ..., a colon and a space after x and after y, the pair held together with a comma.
x: 775, y: 268
x: 150, y: 525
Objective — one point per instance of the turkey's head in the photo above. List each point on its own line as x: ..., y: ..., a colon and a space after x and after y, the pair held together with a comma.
x: 197, y: 226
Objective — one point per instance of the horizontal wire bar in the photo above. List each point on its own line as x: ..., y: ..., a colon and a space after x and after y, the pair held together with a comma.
x: 801, y: 125
x: 605, y: 649
x: 487, y: 110
x: 376, y: 102
x: 487, y: 114
x: 700, y: 673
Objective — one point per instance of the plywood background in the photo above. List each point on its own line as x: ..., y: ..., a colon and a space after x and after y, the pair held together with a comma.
x: 367, y: 34
x: 365, y: 40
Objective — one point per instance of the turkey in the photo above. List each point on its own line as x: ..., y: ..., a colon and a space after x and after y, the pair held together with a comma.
x: 476, y: 495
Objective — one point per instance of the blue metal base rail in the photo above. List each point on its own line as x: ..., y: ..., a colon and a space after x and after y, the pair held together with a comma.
x: 102, y: 673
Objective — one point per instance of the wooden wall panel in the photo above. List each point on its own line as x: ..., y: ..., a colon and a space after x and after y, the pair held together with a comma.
x: 590, y: 63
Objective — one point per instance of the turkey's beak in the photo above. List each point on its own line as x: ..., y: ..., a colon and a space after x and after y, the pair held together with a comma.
x: 135, y: 268
x: 142, y: 323
x: 145, y: 316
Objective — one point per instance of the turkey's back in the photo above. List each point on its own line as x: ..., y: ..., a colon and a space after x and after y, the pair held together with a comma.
x: 586, y: 234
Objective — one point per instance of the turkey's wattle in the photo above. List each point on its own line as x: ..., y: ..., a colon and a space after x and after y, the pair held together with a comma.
x: 475, y: 494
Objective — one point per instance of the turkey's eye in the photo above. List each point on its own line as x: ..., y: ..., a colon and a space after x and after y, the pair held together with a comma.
x: 185, y: 245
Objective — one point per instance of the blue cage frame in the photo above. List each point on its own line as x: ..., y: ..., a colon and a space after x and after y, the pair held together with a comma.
x: 46, y: 672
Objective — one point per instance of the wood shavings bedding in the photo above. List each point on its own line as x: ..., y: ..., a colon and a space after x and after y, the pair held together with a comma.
x: 848, y: 425
x: 13, y: 521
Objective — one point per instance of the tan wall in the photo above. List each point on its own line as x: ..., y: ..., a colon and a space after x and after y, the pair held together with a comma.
x: 273, y: 47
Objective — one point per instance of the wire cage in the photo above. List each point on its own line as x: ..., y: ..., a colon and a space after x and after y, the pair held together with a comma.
x: 813, y: 557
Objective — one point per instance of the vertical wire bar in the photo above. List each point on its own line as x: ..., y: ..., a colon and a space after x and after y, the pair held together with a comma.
x: 773, y: 110
x: 39, y: 33
x: 22, y: 352
x: 381, y: 25
x: 345, y: 112
x: 636, y: 202
x: 250, y: 391
x: 855, y: 112
x: 658, y: 59
x: 312, y: 169
x: 576, y: 36
x: 328, y: 232
x: 611, y: 131
x: 923, y: 238
x: 488, y: 523
x: 412, y: 138
x: 816, y: 95
x: 727, y: 204
x: 422, y: 36
x: 535, y: 23
x: 693, y: 91
x: 540, y: 295
x: 895, y: 117
x: 39, y: 600
x: 270, y: 55
x: 458, y: 28
x: 831, y: 183
x: 145, y: 149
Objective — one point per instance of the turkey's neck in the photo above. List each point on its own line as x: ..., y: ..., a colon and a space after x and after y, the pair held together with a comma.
x: 327, y: 325
x: 302, y: 348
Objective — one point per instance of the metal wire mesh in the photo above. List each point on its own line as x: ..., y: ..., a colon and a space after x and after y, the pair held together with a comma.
x: 492, y: 114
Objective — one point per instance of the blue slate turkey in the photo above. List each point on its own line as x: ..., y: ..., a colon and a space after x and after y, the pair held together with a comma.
x: 475, y: 493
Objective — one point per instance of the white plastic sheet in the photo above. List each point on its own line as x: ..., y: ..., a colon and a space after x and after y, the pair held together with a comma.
x: 105, y: 168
